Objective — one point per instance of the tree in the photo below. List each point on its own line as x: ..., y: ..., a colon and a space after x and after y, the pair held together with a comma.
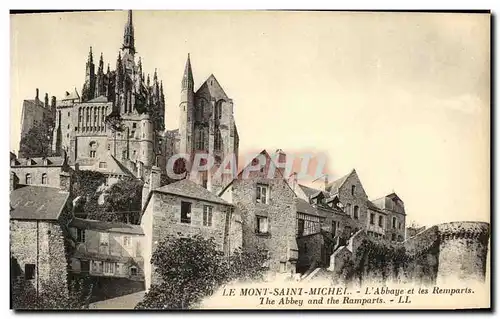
x: 123, y: 196
x: 37, y: 142
x: 193, y: 268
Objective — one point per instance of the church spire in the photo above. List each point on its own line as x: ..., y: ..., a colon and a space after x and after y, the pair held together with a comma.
x: 187, y: 79
x: 101, y: 65
x: 128, y: 36
x: 91, y: 58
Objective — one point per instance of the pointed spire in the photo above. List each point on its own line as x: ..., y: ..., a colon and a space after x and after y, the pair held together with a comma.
x: 90, y: 56
x: 155, y: 76
x: 187, y: 79
x: 101, y: 64
x: 128, y: 36
x: 147, y: 81
x: 108, y: 71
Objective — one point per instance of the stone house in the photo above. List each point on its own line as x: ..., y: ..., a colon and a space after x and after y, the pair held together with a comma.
x: 267, y: 208
x: 395, y: 222
x: 38, y: 219
x: 110, y: 253
x: 185, y: 208
x: 39, y: 171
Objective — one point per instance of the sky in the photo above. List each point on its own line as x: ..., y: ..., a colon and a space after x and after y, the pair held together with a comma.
x: 404, y: 98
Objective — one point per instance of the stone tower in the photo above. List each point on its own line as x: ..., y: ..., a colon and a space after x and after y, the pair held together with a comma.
x: 207, y: 126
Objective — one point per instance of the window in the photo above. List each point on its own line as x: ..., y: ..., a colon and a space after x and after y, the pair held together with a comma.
x: 261, y: 226
x: 103, y: 164
x: 204, y: 182
x: 80, y: 235
x: 29, y: 271
x: 28, y: 179
x: 127, y: 241
x: 394, y: 221
x: 356, y: 212
x: 133, y: 271
x: 134, y: 125
x: 283, y: 266
x: 104, y: 239
x: 109, y: 268
x: 353, y: 189
x: 124, y: 154
x: 207, y: 215
x: 93, y: 148
x: 381, y: 221
x: 300, y: 227
x: 393, y: 237
x: 84, y: 266
x: 44, y: 178
x: 186, y: 212
x: 218, y: 140
x: 200, y: 139
x: 68, y: 114
x: 399, y: 225
x: 372, y: 219
x: 348, y: 208
x: 334, y: 228
x: 262, y: 194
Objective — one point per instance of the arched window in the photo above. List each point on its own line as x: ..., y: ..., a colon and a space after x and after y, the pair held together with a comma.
x: 92, y: 149
x: 44, y: 178
x: 200, y: 139
x: 200, y: 110
x: 28, y: 179
x: 218, y: 140
x: 218, y: 109
x: 356, y: 212
x: 348, y: 208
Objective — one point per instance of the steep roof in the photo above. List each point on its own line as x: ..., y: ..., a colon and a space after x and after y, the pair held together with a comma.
x: 309, y: 191
x: 111, y: 227
x: 99, y: 99
x: 372, y: 206
x: 38, y: 161
x: 304, y: 207
x: 188, y: 188
x: 212, y: 86
x: 73, y: 95
x: 37, y: 203
x: 334, y: 186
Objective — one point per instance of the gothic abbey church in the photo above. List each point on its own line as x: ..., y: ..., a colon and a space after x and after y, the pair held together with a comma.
x: 117, y: 123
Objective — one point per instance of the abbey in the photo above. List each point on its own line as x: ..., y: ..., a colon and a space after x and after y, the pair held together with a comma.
x: 119, y: 115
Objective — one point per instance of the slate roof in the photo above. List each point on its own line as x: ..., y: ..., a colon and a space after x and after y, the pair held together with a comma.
x: 188, y: 188
x: 73, y: 95
x: 38, y: 161
x: 111, y: 227
x: 37, y: 203
x: 302, y: 206
x: 334, y: 186
x: 372, y: 206
x: 213, y: 87
x: 99, y: 99
x: 309, y: 191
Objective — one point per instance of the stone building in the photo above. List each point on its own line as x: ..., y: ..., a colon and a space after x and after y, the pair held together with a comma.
x: 120, y: 112
x: 35, y: 112
x: 207, y: 125
x: 394, y: 208
x: 109, y: 252
x: 186, y: 208
x: 39, y: 171
x: 38, y: 219
x: 268, y: 212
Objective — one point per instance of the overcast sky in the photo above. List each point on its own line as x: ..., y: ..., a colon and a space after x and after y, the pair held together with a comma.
x: 403, y: 98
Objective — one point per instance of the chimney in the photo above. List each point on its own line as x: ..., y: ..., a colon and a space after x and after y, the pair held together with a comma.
x: 152, y: 184
x: 326, y: 181
x: 293, y: 181
x: 53, y: 102
x: 65, y: 181
x: 14, y: 181
x: 36, y: 97
x: 46, y: 100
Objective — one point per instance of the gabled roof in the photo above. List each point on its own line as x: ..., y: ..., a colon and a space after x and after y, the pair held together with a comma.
x: 111, y: 227
x: 278, y: 173
x: 73, y: 95
x: 372, y: 206
x: 334, y: 186
x: 309, y: 191
x: 212, y: 86
x: 190, y: 189
x: 37, y: 203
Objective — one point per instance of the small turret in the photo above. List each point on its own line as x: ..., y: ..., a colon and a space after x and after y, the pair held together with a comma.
x: 187, y: 78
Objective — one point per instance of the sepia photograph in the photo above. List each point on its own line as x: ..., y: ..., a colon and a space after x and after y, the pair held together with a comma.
x: 250, y: 160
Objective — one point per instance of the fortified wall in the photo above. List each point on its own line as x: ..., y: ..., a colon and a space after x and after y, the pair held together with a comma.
x: 446, y: 252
